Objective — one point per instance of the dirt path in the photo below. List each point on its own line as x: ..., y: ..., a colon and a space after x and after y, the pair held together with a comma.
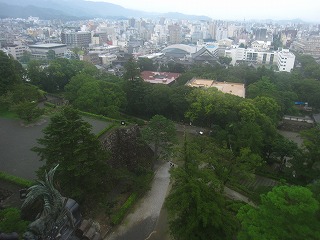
x: 139, y: 224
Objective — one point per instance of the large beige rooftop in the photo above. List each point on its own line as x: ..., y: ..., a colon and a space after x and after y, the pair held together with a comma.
x: 226, y: 87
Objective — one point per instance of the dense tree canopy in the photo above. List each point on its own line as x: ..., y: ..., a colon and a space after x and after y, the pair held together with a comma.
x: 160, y: 132
x: 284, y: 213
x: 68, y: 142
x: 97, y: 96
x: 197, y: 209
x: 10, y: 73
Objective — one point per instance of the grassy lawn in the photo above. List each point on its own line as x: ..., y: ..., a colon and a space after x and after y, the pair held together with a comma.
x: 7, y: 114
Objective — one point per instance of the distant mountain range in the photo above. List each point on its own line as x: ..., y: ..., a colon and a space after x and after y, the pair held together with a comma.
x: 77, y: 9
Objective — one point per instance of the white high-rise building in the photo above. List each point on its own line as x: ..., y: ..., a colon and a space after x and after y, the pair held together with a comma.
x: 285, y: 60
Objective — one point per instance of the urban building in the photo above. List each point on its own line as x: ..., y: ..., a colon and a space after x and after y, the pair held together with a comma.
x: 76, y: 39
x: 16, y: 51
x: 285, y: 60
x: 91, y: 58
x: 309, y: 45
x: 179, y: 50
x: 40, y: 51
x: 108, y: 59
x: 174, y: 34
x: 105, y: 49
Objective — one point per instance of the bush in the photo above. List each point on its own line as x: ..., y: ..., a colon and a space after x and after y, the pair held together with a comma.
x: 48, y: 104
x: 27, y: 111
x: 16, y: 180
x: 119, y: 215
x: 10, y: 221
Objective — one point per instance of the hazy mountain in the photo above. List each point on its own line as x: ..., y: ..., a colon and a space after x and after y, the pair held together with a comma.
x: 282, y: 21
x: 176, y: 15
x: 79, y: 9
x: 12, y: 11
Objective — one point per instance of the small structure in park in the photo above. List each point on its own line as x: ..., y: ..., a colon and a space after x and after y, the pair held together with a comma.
x: 59, y: 216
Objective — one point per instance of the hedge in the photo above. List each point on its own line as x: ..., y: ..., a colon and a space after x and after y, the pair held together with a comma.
x: 117, y: 217
x: 99, y: 117
x: 48, y: 104
x: 16, y: 180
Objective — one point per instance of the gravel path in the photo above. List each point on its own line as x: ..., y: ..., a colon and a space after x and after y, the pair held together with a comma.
x: 139, y: 224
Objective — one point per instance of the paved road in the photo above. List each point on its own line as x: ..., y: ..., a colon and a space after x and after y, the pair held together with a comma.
x: 16, y: 158
x: 139, y: 224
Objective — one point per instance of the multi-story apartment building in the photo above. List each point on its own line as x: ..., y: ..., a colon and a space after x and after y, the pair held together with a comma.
x: 76, y: 39
x: 16, y: 50
x: 309, y: 45
x: 174, y: 34
x: 285, y: 60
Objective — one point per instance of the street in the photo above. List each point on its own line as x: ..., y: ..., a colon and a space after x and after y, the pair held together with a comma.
x: 139, y: 224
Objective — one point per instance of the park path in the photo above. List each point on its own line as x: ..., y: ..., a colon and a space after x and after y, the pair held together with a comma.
x: 139, y: 224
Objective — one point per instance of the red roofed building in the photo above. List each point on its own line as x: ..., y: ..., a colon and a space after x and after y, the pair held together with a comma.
x: 159, y: 77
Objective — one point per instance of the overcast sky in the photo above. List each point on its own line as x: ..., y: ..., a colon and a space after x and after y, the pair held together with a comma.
x: 308, y: 10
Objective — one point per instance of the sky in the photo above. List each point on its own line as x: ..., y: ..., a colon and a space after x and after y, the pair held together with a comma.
x: 307, y: 10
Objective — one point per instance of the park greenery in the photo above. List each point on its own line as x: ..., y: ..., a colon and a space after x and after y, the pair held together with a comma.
x: 243, y: 140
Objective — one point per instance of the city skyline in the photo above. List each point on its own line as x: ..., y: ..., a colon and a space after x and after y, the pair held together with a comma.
x: 232, y: 10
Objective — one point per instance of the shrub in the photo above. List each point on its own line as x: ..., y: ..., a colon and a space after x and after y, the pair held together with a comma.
x: 16, y: 180
x: 119, y: 215
x: 10, y: 221
x: 96, y: 116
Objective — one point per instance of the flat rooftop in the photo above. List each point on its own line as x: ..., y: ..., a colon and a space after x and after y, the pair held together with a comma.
x: 237, y: 89
x: 48, y: 45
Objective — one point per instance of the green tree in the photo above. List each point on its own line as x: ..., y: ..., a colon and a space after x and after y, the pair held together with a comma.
x: 136, y: 91
x: 225, y: 60
x: 157, y: 100
x: 51, y: 55
x: 10, y: 221
x: 196, y: 207
x: 97, y: 96
x: 287, y: 212
x: 67, y: 141
x: 27, y: 111
x: 26, y: 57
x: 35, y: 73
x: 281, y: 150
x: 211, y: 107
x: 10, y: 73
x: 178, y: 102
x: 227, y: 165
x: 307, y: 163
x: 160, y: 132
x: 308, y: 90
x: 26, y: 92
x: 269, y: 107
x: 146, y: 64
x: 132, y: 70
